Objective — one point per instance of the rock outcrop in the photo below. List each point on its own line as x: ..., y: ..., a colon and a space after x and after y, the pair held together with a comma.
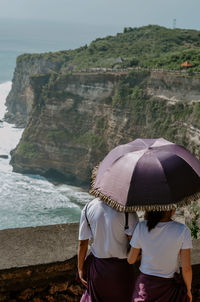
x: 67, y: 127
x: 20, y: 99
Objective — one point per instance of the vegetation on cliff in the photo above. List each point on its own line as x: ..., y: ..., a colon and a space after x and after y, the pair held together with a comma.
x: 148, y: 46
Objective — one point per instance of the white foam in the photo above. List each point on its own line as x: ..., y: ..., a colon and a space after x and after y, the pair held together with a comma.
x: 4, y: 91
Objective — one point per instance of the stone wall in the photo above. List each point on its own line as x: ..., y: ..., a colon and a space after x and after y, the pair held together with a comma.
x: 39, y: 265
x: 41, y: 283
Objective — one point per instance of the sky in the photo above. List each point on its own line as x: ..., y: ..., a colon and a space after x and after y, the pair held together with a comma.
x: 107, y: 13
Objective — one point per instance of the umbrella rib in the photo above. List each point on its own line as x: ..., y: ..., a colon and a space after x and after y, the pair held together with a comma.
x: 143, y: 142
x: 165, y: 176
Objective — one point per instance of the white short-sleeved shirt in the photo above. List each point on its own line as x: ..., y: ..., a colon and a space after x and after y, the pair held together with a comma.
x: 161, y: 247
x: 107, y: 229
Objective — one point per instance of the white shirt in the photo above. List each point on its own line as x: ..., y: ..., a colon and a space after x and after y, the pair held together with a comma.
x: 106, y: 229
x: 161, y: 247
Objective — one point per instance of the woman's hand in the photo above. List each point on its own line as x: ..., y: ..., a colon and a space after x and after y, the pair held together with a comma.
x: 186, y: 271
x: 133, y: 255
x: 83, y: 281
x: 82, y: 250
x: 189, y: 294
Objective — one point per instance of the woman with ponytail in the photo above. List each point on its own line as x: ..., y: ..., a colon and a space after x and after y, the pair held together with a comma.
x: 162, y: 242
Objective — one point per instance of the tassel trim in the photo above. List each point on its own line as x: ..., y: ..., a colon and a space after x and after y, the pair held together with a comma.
x: 155, y: 207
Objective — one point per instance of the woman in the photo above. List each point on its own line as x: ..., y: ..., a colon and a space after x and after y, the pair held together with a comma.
x: 161, y: 241
x: 105, y: 272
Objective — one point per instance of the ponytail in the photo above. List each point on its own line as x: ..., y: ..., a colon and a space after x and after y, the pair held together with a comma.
x: 153, y: 218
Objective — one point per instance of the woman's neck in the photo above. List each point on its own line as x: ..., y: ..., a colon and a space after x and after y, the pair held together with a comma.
x: 167, y: 216
x: 165, y: 219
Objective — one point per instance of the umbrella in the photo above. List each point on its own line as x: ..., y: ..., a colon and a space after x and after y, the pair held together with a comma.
x: 147, y: 174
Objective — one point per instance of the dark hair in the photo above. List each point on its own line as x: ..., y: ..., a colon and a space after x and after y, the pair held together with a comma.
x: 153, y: 217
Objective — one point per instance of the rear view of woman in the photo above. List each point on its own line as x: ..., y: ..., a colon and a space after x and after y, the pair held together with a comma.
x: 105, y: 272
x: 162, y: 243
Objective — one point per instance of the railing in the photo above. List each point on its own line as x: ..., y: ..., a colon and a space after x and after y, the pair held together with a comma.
x: 128, y: 69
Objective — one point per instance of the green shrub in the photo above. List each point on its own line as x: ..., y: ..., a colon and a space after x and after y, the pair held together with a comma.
x: 195, y: 221
x: 27, y: 150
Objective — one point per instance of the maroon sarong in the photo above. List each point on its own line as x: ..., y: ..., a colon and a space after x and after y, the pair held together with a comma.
x: 156, y: 289
x: 109, y: 280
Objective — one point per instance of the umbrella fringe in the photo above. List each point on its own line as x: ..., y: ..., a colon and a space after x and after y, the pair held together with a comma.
x: 154, y: 207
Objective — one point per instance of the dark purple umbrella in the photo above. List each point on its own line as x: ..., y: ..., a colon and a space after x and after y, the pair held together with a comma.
x: 147, y: 174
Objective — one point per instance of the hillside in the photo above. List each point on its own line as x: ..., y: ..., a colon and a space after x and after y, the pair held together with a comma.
x: 148, y: 46
x: 145, y: 47
x: 79, y: 104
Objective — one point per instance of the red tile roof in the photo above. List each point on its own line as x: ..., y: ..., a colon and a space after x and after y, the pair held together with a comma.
x: 186, y: 64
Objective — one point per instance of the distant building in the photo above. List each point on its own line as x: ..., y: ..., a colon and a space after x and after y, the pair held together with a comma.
x: 119, y: 60
x: 186, y: 64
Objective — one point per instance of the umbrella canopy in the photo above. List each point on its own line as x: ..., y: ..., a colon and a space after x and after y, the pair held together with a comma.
x: 147, y: 174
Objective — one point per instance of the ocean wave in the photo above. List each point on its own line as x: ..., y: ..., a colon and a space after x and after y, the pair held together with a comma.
x: 4, y: 91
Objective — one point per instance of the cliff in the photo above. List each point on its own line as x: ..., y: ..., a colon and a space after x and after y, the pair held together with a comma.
x: 76, y: 118
x: 20, y: 99
x: 65, y: 134
x: 78, y: 104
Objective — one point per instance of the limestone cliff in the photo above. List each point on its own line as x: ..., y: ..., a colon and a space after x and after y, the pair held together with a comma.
x: 65, y: 133
x: 20, y: 99
x: 77, y: 118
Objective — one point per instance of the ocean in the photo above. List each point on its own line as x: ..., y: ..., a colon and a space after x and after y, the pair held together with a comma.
x: 29, y: 36
x: 31, y: 200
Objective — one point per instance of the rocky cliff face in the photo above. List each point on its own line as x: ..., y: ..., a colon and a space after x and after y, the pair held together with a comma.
x: 181, y: 93
x: 175, y: 86
x: 76, y: 119
x: 20, y: 99
x: 65, y: 134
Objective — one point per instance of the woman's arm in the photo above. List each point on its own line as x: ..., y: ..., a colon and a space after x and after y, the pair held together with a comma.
x: 82, y: 251
x: 133, y: 255
x: 186, y: 270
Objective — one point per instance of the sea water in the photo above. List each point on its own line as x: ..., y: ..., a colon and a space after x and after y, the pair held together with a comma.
x: 31, y: 200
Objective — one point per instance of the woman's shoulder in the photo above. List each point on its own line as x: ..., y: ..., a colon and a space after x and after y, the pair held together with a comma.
x: 171, y: 224
x: 142, y: 224
x: 179, y: 225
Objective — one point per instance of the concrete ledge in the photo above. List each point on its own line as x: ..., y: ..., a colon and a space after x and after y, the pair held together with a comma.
x: 195, y: 252
x: 23, y: 247
x: 39, y: 264
x: 37, y: 245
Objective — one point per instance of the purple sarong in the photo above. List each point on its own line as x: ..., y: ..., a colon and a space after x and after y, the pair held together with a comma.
x: 109, y: 280
x: 156, y: 289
